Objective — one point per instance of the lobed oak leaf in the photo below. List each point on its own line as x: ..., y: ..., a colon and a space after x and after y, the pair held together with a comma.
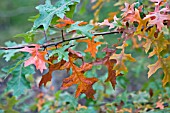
x: 134, y: 17
x: 110, y: 64
x: 112, y: 15
x: 64, y: 22
x: 163, y: 63
x: 111, y: 73
x: 73, y: 55
x: 159, y: 105
x: 81, y: 28
x: 157, y: 17
x: 120, y: 59
x: 37, y: 57
x: 52, y: 67
x: 129, y: 9
x: 77, y: 77
x: 91, y: 45
x: 149, y: 39
x: 166, y: 69
x: 153, y: 68
x: 86, y: 87
x: 81, y: 107
x: 107, y: 23
x: 160, y: 42
x: 158, y: 2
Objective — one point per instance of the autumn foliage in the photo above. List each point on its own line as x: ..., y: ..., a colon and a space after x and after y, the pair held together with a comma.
x: 134, y: 23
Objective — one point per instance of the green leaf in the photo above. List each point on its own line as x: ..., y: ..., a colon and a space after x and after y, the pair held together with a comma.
x: 8, y: 108
x: 27, y: 36
x: 10, y: 53
x: 82, y: 29
x: 66, y: 97
x: 62, y: 54
x: 70, y: 13
x: 47, y: 11
x: 19, y: 84
x: 33, y: 18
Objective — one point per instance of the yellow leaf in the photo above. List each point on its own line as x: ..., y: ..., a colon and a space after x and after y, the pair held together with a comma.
x: 121, y: 58
x: 153, y: 68
x: 81, y: 107
x: 166, y: 69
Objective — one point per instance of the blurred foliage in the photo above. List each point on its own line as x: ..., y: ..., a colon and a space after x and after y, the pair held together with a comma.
x: 134, y: 92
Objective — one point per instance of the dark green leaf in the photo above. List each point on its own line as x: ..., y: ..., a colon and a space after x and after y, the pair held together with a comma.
x: 82, y: 29
x: 48, y: 10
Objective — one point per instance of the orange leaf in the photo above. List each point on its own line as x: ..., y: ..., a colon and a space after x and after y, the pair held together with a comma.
x: 91, y: 45
x: 112, y: 15
x: 64, y: 22
x: 82, y: 23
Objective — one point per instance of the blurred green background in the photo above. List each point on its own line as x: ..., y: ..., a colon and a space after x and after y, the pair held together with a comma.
x: 14, y: 16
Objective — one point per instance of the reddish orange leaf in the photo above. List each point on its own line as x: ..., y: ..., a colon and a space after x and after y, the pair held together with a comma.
x: 64, y: 22
x: 110, y: 63
x: 47, y: 77
x: 77, y: 77
x: 73, y: 55
x: 91, y: 45
x: 37, y: 57
x: 82, y: 23
x: 159, y: 105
